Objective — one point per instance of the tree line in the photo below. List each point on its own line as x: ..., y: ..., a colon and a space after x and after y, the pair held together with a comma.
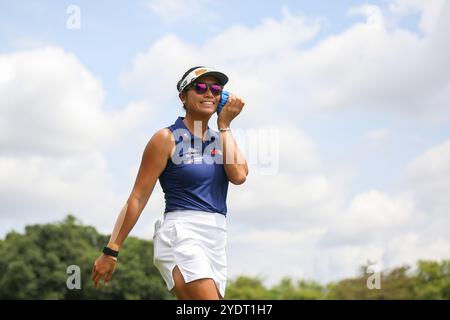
x: 34, y: 265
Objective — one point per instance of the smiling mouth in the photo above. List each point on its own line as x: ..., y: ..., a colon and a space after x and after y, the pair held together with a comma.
x: 207, y: 103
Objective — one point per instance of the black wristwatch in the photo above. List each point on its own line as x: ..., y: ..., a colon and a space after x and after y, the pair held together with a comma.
x: 110, y: 252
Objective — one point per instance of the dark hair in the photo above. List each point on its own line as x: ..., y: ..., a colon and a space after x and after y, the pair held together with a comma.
x: 182, y: 78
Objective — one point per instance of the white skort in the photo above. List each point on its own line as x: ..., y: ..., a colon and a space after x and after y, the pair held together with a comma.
x: 195, y: 241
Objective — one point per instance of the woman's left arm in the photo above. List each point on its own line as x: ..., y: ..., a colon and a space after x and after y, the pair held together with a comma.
x: 235, y: 164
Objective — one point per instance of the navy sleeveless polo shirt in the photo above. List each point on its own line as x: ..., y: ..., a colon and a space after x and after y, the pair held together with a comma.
x: 194, y: 177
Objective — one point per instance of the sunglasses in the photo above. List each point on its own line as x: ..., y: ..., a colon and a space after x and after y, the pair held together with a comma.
x: 201, y: 88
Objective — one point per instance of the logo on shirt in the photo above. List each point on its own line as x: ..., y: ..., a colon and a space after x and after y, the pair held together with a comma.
x: 192, y: 155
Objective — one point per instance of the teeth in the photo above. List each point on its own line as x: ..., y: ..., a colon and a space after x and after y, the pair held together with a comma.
x: 208, y: 102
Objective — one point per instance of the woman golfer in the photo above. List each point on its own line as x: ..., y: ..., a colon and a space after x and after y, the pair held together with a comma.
x: 194, y: 165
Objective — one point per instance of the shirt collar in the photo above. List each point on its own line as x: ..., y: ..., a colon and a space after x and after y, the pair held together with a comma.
x: 180, y: 124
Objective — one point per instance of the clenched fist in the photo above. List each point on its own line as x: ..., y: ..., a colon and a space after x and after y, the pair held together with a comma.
x: 230, y: 111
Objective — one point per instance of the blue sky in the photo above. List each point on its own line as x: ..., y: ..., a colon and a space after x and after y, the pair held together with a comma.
x: 358, y: 91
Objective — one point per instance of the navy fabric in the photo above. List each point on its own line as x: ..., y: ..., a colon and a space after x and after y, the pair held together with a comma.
x: 194, y: 177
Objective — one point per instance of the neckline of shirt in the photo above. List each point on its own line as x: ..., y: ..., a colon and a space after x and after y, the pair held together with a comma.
x: 193, y: 136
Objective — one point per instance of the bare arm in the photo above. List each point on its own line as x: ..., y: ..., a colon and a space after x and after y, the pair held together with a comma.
x: 235, y: 164
x: 154, y: 160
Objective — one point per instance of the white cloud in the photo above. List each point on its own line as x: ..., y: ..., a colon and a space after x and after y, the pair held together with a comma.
x: 278, y: 220
x: 429, y: 11
x: 241, y: 43
x: 300, y: 191
x: 34, y: 188
x: 286, y: 223
x: 369, y: 66
x: 179, y: 10
x: 54, y: 133
x: 278, y: 252
x: 372, y: 217
x: 429, y: 177
x: 374, y: 226
x: 50, y: 103
x: 156, y: 72
x: 408, y: 248
x: 378, y: 210
x: 433, y: 164
x: 240, y: 51
x: 373, y: 14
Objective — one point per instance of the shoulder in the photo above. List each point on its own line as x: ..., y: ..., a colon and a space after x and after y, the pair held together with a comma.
x: 160, y: 143
x: 163, y: 135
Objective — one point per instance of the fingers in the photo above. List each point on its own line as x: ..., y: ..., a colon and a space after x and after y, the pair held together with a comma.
x: 97, y: 279
x: 94, y: 273
x: 231, y: 110
x: 96, y: 276
x: 236, y: 102
x: 107, y: 277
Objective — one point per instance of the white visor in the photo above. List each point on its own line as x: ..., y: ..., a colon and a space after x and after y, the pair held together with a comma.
x: 194, y: 74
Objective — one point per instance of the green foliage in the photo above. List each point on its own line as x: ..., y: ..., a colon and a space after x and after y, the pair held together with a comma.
x: 431, y: 280
x: 302, y: 290
x: 244, y: 287
x: 33, y: 265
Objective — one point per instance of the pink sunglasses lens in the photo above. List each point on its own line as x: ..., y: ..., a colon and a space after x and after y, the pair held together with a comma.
x: 201, y: 88
x: 216, y: 89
